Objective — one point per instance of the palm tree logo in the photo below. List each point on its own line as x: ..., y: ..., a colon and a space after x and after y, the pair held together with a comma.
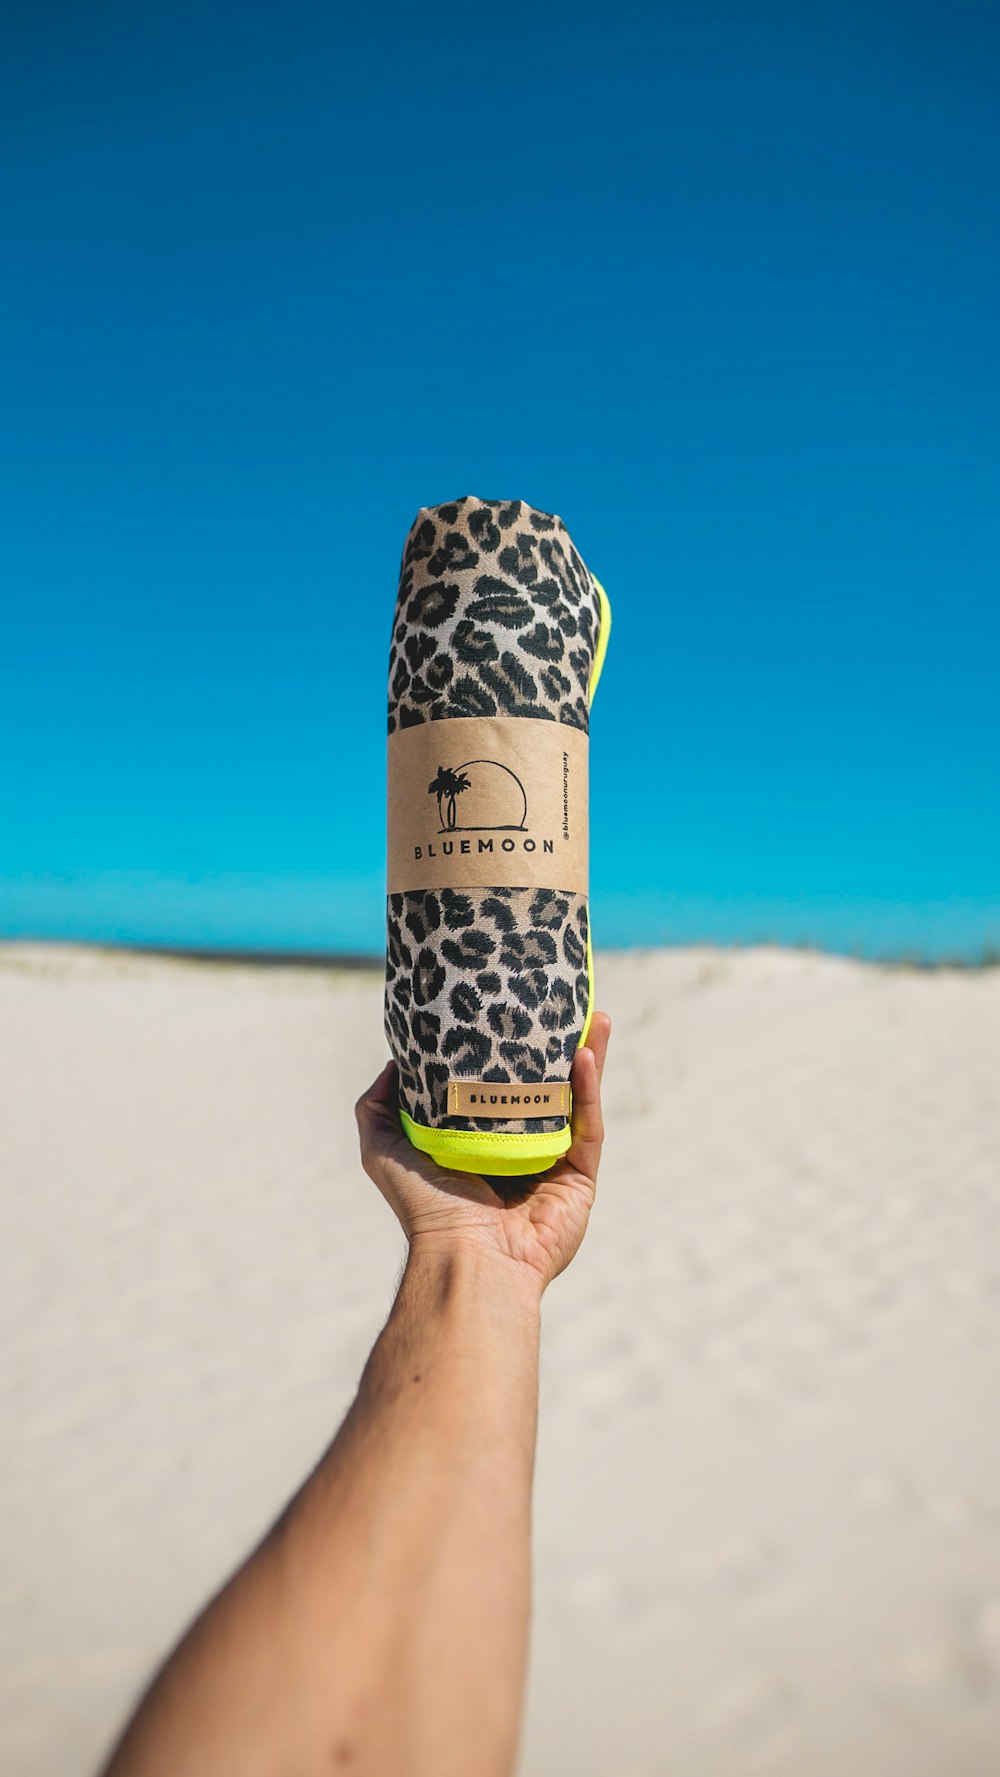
x: 497, y: 803
x: 447, y: 784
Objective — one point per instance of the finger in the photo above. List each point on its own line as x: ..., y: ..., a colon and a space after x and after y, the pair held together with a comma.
x: 598, y: 1038
x: 377, y: 1095
x: 588, y: 1125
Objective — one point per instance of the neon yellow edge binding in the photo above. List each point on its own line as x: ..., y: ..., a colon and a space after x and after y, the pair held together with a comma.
x: 470, y: 1150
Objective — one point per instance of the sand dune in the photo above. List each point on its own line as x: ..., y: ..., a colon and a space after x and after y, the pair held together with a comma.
x: 768, y: 1502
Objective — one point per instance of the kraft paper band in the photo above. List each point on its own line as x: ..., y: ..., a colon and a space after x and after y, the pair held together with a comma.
x: 484, y: 1098
x: 487, y: 802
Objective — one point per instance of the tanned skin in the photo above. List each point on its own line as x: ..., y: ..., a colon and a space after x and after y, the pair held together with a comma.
x: 381, y: 1627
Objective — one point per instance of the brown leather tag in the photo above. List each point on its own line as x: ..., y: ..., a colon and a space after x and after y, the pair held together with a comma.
x: 484, y: 1098
x: 487, y: 802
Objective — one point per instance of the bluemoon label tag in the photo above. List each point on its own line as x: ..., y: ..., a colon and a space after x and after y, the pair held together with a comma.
x: 484, y: 1098
x: 487, y: 802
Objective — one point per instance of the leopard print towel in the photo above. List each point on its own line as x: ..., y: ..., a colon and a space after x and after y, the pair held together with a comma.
x: 496, y: 616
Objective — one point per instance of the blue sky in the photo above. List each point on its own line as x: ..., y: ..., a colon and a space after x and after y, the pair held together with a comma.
x: 716, y: 284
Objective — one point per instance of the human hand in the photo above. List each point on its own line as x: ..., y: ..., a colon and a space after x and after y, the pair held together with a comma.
x: 539, y: 1222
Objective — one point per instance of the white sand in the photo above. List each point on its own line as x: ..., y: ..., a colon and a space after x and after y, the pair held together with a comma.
x: 768, y: 1498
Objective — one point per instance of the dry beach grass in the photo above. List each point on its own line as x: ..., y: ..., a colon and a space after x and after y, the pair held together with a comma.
x: 767, y: 1517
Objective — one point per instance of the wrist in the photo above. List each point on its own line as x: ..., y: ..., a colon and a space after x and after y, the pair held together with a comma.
x: 465, y: 1260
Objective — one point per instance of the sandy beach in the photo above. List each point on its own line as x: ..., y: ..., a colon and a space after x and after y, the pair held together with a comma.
x: 767, y: 1516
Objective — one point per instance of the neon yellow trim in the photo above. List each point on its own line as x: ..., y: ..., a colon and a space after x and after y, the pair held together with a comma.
x: 602, y: 648
x: 475, y: 1150
x: 602, y: 637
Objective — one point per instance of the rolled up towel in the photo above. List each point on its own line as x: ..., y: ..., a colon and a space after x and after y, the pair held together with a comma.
x: 497, y: 645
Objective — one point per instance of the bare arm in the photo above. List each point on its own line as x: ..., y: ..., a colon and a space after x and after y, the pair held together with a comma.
x: 381, y: 1627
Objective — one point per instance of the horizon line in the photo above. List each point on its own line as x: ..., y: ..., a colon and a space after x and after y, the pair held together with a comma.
x: 370, y: 961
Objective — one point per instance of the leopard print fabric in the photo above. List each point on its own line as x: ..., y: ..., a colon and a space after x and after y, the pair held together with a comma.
x: 496, y: 615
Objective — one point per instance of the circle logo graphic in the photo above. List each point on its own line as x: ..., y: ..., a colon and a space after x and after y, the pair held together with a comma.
x: 477, y: 796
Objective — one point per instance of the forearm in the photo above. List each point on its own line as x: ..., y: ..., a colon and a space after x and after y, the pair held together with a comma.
x: 382, y: 1626
x: 437, y: 1483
